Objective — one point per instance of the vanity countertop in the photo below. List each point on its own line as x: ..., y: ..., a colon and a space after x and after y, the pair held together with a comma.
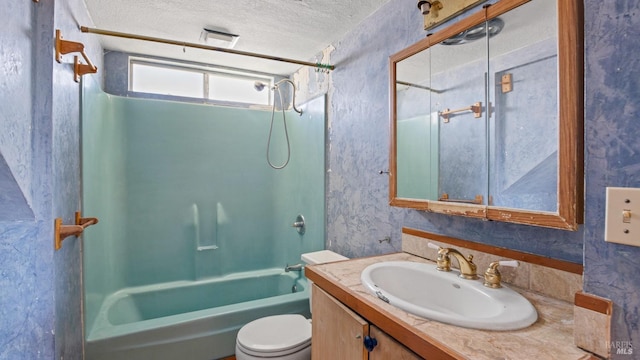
x: 550, y: 337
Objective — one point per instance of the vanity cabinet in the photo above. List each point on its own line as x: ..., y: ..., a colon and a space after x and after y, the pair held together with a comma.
x: 388, y: 348
x: 339, y: 333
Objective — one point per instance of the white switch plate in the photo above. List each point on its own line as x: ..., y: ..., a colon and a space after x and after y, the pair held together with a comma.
x: 616, y: 230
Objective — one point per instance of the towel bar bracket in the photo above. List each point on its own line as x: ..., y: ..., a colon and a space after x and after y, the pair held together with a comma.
x: 61, y: 232
x: 64, y: 47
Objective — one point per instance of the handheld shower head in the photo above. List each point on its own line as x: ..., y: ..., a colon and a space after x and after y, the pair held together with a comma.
x: 259, y: 86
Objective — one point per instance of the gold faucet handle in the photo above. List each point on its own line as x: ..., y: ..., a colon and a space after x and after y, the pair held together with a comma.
x: 443, y: 262
x: 470, y: 260
x: 492, y: 277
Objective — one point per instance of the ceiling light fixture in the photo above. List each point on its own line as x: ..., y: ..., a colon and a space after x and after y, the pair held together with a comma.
x: 219, y: 38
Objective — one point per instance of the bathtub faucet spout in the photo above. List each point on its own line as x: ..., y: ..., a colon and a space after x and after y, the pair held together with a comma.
x: 297, y: 267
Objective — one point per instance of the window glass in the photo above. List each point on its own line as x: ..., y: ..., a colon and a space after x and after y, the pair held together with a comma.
x: 166, y: 81
x: 238, y: 89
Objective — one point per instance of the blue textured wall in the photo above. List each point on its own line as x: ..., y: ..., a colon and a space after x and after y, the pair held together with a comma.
x: 358, y: 211
x: 41, y: 290
x: 26, y: 261
x: 612, y: 115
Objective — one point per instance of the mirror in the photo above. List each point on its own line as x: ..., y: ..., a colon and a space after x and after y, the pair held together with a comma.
x: 486, y: 116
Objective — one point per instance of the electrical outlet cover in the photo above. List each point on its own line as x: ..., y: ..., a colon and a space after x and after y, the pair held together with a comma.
x: 619, y: 228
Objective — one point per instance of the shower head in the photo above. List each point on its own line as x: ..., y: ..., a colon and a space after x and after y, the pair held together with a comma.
x: 259, y: 86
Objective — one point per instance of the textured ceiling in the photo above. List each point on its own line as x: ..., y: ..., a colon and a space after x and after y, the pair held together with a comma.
x: 297, y: 29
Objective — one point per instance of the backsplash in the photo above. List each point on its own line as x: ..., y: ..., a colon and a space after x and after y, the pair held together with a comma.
x: 592, y: 326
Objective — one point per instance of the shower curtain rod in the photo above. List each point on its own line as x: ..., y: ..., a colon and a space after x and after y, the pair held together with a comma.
x: 204, y: 47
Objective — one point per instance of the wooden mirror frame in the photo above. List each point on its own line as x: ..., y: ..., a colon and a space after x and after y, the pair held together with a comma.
x: 570, y: 210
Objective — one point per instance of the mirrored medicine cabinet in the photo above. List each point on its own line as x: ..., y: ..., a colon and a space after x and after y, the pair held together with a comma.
x: 487, y: 116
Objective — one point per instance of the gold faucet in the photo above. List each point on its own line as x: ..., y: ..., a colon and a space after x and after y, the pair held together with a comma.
x: 492, y: 276
x: 467, y: 267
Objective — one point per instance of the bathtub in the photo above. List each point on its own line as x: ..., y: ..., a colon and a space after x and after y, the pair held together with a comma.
x: 191, y: 320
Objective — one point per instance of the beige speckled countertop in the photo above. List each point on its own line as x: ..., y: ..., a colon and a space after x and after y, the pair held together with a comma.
x: 550, y: 337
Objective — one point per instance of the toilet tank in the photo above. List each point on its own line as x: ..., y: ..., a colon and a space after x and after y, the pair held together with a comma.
x: 320, y: 257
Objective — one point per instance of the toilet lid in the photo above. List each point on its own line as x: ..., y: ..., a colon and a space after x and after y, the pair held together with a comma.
x: 276, y: 334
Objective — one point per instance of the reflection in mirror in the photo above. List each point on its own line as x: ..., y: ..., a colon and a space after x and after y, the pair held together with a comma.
x: 441, y: 120
x: 417, y: 131
x: 524, y: 124
x: 459, y: 70
x: 487, y: 116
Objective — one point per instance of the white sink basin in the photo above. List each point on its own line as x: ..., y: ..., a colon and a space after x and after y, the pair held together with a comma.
x: 422, y: 290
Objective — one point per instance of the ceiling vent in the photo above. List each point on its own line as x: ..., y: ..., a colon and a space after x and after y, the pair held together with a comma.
x: 219, y: 38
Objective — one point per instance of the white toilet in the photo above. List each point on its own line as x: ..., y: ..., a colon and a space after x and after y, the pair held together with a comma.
x: 281, y: 337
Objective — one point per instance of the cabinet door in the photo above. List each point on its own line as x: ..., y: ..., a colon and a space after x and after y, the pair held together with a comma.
x: 337, y: 332
x: 388, y: 348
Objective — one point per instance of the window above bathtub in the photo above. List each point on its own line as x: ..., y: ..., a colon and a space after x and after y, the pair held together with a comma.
x: 208, y: 83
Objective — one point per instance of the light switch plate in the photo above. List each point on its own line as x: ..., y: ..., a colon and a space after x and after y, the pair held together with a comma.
x: 622, y: 219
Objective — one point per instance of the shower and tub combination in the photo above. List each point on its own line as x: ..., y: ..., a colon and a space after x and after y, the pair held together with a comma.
x: 196, y: 227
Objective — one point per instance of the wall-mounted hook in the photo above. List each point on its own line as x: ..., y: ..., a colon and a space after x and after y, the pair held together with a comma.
x: 60, y: 231
x: 80, y: 69
x: 86, y: 221
x: 384, y: 172
x: 65, y: 47
x: 386, y: 239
